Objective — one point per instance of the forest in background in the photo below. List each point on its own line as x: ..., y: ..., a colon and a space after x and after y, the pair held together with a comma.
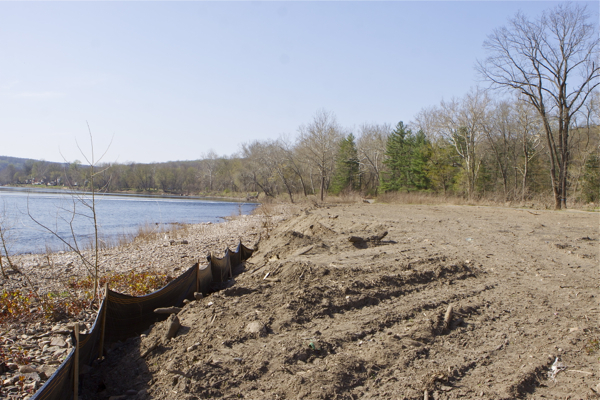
x: 533, y: 132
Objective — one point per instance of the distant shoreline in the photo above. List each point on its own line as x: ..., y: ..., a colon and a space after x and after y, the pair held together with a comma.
x: 66, y: 190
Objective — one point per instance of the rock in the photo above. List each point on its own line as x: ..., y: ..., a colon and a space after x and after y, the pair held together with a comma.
x: 59, y: 352
x: 58, y: 341
x: 12, y: 366
x: 198, y: 295
x: 173, y: 326
x: 46, y: 369
x: 131, y: 392
x: 256, y: 327
x: 34, y: 376
x: 26, y: 369
x: 167, y: 310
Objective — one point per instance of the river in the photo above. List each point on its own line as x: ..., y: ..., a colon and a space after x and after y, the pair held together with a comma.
x: 117, y: 215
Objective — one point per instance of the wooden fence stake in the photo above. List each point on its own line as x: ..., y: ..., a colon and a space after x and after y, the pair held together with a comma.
x: 76, y: 363
x: 198, y: 277
x: 103, y: 326
x: 229, y: 262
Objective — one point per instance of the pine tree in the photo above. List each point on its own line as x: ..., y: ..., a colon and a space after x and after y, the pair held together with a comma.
x: 418, y: 165
x: 346, y: 174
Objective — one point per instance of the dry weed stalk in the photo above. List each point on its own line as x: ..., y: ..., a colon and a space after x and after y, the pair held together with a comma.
x: 87, y: 201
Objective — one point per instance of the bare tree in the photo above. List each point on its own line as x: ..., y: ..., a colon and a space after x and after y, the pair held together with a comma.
x: 210, y: 164
x: 318, y: 144
x: 88, y: 202
x: 292, y: 160
x: 530, y: 129
x: 461, y: 122
x: 553, y: 62
x: 500, y: 130
x: 371, y: 145
x: 260, y: 166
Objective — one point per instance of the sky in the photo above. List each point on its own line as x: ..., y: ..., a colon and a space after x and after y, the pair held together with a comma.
x: 167, y: 81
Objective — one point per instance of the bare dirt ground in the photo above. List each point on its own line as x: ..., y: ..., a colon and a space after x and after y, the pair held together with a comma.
x: 341, y: 319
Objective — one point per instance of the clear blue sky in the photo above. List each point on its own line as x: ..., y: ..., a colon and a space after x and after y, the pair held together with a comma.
x: 172, y: 80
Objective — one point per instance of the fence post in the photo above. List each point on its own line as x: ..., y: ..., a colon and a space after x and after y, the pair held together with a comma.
x: 198, y: 276
x: 103, y: 326
x: 76, y: 363
x: 228, y: 254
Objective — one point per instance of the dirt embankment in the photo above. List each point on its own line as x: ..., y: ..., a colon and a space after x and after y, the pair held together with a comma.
x: 314, y: 315
x: 32, y: 347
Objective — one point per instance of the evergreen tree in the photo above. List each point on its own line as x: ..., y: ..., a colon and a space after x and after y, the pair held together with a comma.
x: 407, y: 156
x: 419, y: 159
x: 397, y: 152
x: 346, y: 174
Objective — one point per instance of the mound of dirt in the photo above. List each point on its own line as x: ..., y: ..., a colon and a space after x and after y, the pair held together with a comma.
x: 472, y: 302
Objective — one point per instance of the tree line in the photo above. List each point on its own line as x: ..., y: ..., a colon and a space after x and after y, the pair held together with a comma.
x: 535, y: 130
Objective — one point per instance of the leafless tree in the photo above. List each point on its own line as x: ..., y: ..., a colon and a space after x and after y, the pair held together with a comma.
x: 500, y: 129
x: 553, y: 62
x: 260, y: 166
x: 87, y: 201
x: 292, y: 160
x: 318, y: 143
x: 371, y: 145
x: 210, y: 164
x: 461, y: 122
x: 530, y: 130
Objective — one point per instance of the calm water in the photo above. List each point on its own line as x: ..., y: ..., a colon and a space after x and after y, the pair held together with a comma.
x: 117, y: 215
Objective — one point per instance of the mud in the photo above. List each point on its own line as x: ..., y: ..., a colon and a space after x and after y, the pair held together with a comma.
x: 313, y: 315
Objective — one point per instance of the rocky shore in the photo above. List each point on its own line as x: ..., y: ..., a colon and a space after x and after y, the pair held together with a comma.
x: 31, y: 352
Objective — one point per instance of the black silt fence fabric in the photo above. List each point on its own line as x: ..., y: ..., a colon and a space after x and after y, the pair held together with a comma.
x: 205, y: 278
x: 221, y: 268
x: 245, y: 252
x: 128, y: 316
x: 60, y: 384
x: 89, y: 344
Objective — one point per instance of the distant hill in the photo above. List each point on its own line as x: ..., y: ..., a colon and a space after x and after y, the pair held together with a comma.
x: 17, y: 162
x: 16, y: 170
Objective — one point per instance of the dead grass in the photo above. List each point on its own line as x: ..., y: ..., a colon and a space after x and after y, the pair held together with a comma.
x: 345, y: 197
x: 538, y: 202
x: 145, y: 233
